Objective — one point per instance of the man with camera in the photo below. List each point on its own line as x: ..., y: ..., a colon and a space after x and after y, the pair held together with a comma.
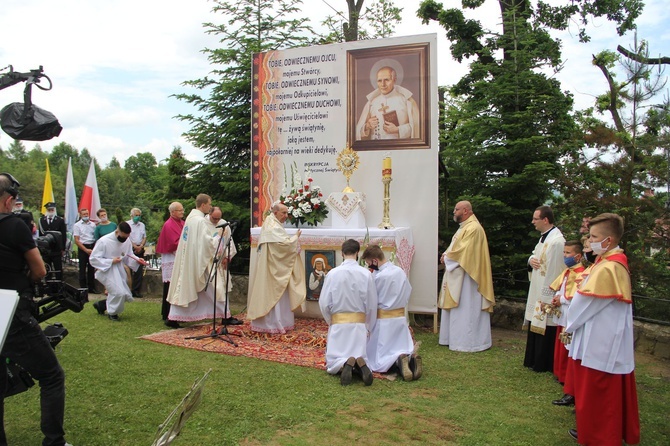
x: 20, y: 266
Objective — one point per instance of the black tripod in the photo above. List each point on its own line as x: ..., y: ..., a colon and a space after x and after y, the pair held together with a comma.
x: 223, y: 333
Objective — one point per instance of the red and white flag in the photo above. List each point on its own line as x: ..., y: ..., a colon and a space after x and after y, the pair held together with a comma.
x: 90, y: 198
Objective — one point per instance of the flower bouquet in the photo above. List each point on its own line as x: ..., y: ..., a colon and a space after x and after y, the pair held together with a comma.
x: 304, y: 201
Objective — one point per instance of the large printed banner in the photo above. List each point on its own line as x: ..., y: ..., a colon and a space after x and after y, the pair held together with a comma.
x: 378, y: 97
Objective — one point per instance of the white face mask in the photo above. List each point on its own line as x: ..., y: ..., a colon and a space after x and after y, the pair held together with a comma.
x: 51, y: 214
x: 597, y: 247
x: 103, y: 219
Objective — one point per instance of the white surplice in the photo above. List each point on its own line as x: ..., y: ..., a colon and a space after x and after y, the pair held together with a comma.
x: 390, y: 337
x: 112, y: 275
x: 602, y: 333
x: 465, y: 328
x: 550, y: 255
x: 348, y: 288
x: 400, y: 101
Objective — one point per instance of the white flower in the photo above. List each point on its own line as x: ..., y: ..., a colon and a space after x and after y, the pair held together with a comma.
x: 297, y: 213
x: 315, y: 200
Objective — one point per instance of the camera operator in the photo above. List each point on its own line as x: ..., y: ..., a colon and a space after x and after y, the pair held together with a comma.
x: 26, y: 344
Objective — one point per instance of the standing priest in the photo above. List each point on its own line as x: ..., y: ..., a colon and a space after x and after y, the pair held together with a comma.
x: 466, y: 297
x: 188, y: 298
x: 545, y: 265
x: 277, y: 286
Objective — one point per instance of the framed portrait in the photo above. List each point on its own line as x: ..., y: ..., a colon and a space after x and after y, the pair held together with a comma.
x: 317, y: 265
x: 388, y: 102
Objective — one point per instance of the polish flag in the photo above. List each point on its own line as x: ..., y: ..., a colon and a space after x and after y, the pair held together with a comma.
x: 90, y: 198
x: 71, y: 211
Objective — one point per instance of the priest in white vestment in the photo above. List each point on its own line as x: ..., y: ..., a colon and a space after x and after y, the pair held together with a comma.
x: 390, y: 113
x: 108, y: 257
x: 190, y: 296
x: 391, y: 342
x: 277, y: 286
x: 466, y: 296
x: 348, y: 303
x: 545, y: 265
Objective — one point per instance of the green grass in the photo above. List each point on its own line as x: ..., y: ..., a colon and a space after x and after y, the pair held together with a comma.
x: 120, y: 388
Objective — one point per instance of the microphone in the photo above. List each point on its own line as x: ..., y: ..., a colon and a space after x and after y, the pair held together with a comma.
x: 223, y: 225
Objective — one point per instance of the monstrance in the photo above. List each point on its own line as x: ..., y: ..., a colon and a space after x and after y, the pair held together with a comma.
x: 347, y: 162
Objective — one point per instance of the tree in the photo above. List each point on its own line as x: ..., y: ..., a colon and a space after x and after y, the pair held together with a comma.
x: 627, y: 164
x: 376, y: 22
x: 222, y: 126
x: 513, y: 122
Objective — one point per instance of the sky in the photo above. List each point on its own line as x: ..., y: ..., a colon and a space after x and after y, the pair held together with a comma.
x: 115, y: 63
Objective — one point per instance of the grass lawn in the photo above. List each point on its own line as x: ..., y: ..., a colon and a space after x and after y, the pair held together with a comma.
x: 120, y: 388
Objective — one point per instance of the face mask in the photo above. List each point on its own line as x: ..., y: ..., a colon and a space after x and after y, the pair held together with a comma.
x: 590, y: 256
x: 51, y: 214
x: 373, y: 267
x: 597, y: 247
x: 136, y: 219
x: 84, y: 219
x: 570, y: 261
x: 103, y: 219
x: 121, y: 239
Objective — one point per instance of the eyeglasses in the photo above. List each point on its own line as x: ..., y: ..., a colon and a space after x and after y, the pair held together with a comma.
x: 12, y: 190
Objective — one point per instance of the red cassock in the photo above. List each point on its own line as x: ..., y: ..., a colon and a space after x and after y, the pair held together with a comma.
x: 606, y: 407
x: 560, y: 357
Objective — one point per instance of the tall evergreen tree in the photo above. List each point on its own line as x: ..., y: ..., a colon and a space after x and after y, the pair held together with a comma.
x: 513, y: 123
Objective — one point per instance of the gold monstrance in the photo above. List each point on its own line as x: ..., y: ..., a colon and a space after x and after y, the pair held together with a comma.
x: 347, y: 162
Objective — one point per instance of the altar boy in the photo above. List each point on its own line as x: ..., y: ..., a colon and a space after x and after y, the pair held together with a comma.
x: 600, y: 321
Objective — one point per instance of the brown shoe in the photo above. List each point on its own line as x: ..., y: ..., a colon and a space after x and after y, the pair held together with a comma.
x: 403, y: 366
x: 363, y: 368
x: 347, y: 369
x: 416, y: 366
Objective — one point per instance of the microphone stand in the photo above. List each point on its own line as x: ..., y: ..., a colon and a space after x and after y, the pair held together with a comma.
x: 214, y: 271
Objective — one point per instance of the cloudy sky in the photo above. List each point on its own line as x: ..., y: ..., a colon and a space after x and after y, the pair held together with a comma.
x: 115, y: 63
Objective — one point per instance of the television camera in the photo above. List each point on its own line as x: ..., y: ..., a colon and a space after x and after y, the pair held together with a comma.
x: 50, y: 297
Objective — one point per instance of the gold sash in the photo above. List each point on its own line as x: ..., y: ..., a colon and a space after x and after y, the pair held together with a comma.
x: 348, y: 318
x: 388, y: 314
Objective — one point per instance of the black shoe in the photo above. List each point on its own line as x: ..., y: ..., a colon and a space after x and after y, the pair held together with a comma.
x: 114, y: 317
x: 573, y: 433
x: 92, y: 291
x: 416, y: 366
x: 347, y: 369
x: 364, y: 370
x: 172, y: 324
x: 403, y: 365
x: 100, y: 306
x: 138, y: 295
x: 566, y: 400
x: 231, y: 321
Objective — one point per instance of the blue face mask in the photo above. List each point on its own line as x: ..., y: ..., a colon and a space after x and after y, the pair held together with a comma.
x: 84, y: 219
x: 570, y: 261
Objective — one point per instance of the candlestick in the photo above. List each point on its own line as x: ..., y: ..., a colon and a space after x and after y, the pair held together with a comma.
x: 386, y: 179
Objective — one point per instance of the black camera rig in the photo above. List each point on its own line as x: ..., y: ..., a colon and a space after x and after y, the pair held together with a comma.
x: 49, y: 297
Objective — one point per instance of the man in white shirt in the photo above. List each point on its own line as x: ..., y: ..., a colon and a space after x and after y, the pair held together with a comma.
x: 83, y: 232
x: 348, y: 303
x: 138, y: 238
x: 391, y: 342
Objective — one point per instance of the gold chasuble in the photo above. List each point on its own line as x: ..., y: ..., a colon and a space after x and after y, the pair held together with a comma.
x: 469, y: 247
x: 609, y: 278
x: 278, y: 269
